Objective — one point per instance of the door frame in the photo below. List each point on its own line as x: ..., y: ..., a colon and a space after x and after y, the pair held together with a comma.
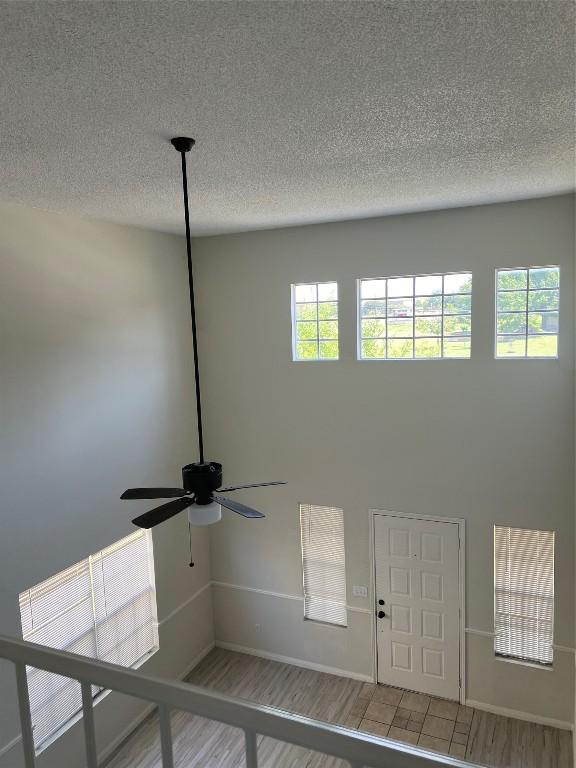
x: 461, y: 523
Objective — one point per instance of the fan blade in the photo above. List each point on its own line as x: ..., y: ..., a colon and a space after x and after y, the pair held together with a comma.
x: 250, y: 485
x: 235, y: 506
x: 162, y: 513
x: 153, y: 493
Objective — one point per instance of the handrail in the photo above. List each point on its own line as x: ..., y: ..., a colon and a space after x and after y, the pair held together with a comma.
x: 359, y: 749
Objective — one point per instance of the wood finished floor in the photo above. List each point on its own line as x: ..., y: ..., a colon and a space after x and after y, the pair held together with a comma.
x: 490, y: 740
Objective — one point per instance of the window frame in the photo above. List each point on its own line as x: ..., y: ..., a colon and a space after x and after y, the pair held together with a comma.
x: 305, y: 595
x: 441, y: 317
x: 88, y: 564
x: 294, y: 321
x: 526, y: 335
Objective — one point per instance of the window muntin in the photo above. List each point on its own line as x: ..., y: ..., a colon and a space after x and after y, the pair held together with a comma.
x: 103, y: 607
x: 418, y: 317
x: 527, y: 312
x: 323, y: 563
x: 524, y: 594
x: 315, y: 321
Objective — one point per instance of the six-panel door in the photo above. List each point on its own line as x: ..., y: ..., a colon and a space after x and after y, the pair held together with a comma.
x: 417, y: 578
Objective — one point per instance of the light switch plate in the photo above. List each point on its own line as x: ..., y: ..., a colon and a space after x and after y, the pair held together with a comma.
x: 360, y: 591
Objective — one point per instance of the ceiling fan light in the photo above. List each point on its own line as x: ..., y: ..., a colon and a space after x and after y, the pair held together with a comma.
x: 204, y: 514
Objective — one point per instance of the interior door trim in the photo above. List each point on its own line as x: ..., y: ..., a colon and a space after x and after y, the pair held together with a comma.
x: 461, y: 523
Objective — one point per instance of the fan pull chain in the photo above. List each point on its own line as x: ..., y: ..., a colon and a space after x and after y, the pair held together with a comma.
x: 191, y: 564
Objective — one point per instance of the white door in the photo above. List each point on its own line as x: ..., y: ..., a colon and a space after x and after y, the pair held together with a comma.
x: 418, y: 604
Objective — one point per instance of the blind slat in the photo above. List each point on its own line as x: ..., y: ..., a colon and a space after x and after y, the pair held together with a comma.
x: 524, y: 594
x: 103, y: 607
x: 323, y: 563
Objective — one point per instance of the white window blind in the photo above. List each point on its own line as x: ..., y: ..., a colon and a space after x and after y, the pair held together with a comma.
x: 323, y: 563
x: 524, y: 594
x: 103, y: 607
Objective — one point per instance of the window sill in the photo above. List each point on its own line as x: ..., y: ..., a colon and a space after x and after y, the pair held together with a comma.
x: 325, y: 623
x: 522, y: 663
x: 411, y: 359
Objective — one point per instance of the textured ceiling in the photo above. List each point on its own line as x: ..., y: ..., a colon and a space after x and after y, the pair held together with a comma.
x: 303, y: 111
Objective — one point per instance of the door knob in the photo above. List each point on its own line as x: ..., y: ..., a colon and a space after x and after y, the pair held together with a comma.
x: 381, y: 615
x: 380, y: 602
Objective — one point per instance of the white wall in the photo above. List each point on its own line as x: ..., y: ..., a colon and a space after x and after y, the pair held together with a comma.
x: 96, y: 394
x: 487, y: 440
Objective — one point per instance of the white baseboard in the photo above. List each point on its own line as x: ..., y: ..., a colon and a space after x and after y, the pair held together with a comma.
x: 131, y: 727
x: 197, y: 659
x: 295, y: 662
x: 115, y: 743
x: 518, y: 715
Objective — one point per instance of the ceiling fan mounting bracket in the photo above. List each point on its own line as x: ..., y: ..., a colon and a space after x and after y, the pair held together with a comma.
x: 182, y: 143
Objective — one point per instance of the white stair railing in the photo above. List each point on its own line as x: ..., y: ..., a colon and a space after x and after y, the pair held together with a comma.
x: 361, y: 750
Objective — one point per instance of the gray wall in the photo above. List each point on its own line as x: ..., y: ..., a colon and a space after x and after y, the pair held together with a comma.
x: 96, y: 393
x: 490, y: 441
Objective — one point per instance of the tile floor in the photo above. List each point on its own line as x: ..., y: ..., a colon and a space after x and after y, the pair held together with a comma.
x: 437, y: 724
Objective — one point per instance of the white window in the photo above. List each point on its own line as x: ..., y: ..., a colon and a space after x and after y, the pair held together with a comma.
x: 315, y: 321
x: 323, y: 564
x: 524, y: 594
x: 419, y: 317
x: 527, y: 307
x: 103, y: 607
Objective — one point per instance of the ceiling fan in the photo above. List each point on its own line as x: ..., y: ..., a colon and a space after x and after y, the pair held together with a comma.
x: 201, y: 479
